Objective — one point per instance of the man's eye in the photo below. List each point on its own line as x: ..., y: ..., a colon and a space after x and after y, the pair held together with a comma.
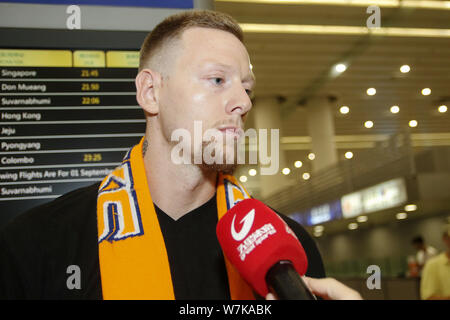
x: 217, y: 81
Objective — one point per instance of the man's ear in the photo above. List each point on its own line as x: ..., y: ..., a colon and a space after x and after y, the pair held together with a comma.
x: 147, y: 90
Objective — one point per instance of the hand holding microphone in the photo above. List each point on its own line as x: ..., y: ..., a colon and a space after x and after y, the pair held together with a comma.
x: 327, y: 288
x: 268, y: 255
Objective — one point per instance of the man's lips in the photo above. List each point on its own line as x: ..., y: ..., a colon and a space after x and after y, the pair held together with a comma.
x: 236, y: 131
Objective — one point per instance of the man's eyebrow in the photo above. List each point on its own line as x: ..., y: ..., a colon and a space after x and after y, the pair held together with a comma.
x: 250, y: 78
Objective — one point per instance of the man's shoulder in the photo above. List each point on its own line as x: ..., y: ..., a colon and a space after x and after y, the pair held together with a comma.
x: 38, y: 246
x: 65, y: 210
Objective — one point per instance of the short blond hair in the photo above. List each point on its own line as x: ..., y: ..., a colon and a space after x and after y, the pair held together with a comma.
x: 173, y: 26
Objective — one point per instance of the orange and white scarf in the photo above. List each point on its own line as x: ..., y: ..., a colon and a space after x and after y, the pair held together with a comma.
x: 132, y: 253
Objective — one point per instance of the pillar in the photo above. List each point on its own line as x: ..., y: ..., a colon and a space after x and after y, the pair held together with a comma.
x: 321, y: 131
x: 267, y: 115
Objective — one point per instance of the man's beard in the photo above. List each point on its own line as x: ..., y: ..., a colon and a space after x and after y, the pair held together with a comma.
x: 226, y: 165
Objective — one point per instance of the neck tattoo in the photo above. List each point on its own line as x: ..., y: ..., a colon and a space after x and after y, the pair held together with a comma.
x: 144, y: 147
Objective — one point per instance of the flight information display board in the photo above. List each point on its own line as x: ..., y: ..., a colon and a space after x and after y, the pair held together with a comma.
x: 67, y: 118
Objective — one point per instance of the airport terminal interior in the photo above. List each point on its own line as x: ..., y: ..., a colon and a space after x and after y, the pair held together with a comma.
x: 357, y: 93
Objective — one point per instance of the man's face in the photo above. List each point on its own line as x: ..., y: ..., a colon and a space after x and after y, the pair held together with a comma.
x: 210, y: 81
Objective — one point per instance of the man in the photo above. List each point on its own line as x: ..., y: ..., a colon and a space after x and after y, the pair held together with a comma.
x: 423, y: 252
x: 435, y: 281
x: 147, y: 231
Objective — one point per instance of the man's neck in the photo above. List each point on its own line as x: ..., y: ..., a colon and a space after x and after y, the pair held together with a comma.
x: 176, y: 188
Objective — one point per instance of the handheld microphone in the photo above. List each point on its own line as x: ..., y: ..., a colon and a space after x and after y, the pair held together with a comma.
x: 264, y: 250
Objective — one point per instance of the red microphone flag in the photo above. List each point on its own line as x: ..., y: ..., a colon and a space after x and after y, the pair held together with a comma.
x: 254, y: 238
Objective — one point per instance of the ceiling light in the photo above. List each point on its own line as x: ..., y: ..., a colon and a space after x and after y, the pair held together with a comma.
x: 401, y: 215
x: 243, y: 178
x: 340, y: 67
x: 344, y: 110
x: 298, y: 164
x: 348, y: 155
x: 344, y: 30
x: 368, y: 124
x: 362, y: 219
x: 405, y: 68
x: 353, y: 226
x: 317, y: 234
x: 431, y: 4
x: 286, y: 171
x: 395, y: 109
x: 371, y: 91
x: 252, y: 172
x: 442, y: 108
x: 306, y: 176
x: 311, y: 156
x: 426, y: 91
x: 413, y: 123
x: 410, y: 207
x: 319, y: 228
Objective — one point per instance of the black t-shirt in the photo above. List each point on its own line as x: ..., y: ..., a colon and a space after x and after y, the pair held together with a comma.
x: 193, y: 237
x: 38, y: 247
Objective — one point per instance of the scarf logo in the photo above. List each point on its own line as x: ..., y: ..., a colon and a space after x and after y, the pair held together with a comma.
x: 117, y: 199
x: 234, y: 193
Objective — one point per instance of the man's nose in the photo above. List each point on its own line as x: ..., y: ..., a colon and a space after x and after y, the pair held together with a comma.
x: 240, y: 102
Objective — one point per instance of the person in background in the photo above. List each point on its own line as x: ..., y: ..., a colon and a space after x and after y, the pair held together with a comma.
x: 423, y: 252
x: 435, y: 282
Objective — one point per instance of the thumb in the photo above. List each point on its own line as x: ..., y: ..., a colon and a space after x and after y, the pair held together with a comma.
x: 329, y: 288
x: 270, y: 296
